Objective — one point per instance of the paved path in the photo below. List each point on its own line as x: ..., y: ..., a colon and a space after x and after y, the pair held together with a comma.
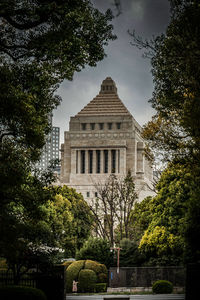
x: 131, y: 297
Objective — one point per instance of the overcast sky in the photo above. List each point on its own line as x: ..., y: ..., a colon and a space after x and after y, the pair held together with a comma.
x: 124, y: 63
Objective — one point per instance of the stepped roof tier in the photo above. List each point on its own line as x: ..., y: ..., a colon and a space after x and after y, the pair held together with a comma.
x: 106, y: 103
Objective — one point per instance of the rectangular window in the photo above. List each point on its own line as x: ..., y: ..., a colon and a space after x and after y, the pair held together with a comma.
x: 90, y: 161
x: 118, y: 125
x: 92, y: 126
x: 82, y: 161
x: 76, y: 161
x: 88, y: 194
x: 109, y: 126
x: 98, y: 157
x: 113, y: 161
x: 105, y: 161
x: 101, y: 126
x: 83, y: 126
x: 118, y: 161
x: 96, y: 194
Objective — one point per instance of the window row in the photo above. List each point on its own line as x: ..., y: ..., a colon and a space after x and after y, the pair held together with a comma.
x: 100, y: 126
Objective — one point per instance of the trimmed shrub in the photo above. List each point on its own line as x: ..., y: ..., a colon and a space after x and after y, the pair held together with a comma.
x: 100, y: 287
x: 92, y: 265
x: 21, y: 292
x: 102, y: 277
x: 95, y: 266
x: 87, y: 278
x: 162, y: 287
x: 75, y: 268
x: 67, y: 264
x: 103, y: 269
x: 72, y: 273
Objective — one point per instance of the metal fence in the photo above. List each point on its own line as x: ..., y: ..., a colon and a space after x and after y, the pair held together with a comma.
x: 52, y: 283
x: 7, y: 278
x: 146, y: 276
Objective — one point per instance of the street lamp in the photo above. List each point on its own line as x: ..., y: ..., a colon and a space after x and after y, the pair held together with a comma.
x: 118, y: 253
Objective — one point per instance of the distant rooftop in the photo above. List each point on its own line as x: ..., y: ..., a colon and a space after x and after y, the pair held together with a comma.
x: 106, y: 103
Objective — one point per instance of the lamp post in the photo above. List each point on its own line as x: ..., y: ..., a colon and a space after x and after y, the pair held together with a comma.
x: 118, y: 253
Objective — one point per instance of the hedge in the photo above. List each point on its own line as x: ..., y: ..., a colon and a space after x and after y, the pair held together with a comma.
x: 21, y: 292
x: 67, y: 263
x: 86, y: 279
x: 73, y: 272
x: 100, y: 287
x: 75, y: 268
x: 162, y: 287
x: 102, y: 278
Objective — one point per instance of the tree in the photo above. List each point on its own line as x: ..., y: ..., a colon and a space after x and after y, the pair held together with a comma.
x: 130, y: 256
x: 175, y: 129
x: 175, y: 69
x: 164, y: 240
x: 81, y: 222
x: 113, y: 206
x: 43, y: 230
x: 96, y: 249
x: 41, y: 44
x: 140, y: 219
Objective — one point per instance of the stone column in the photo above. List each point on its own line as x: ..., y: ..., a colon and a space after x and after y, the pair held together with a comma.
x: 86, y: 161
x: 123, y: 161
x: 109, y: 161
x: 73, y: 161
x: 94, y: 163
x: 140, y: 158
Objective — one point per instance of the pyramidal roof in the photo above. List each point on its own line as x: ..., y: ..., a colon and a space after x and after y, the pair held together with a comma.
x: 106, y: 103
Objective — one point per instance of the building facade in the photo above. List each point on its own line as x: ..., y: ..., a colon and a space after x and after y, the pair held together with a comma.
x: 104, y: 138
x: 51, y: 150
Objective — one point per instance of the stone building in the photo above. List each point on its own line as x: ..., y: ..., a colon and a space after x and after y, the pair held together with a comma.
x: 104, y: 138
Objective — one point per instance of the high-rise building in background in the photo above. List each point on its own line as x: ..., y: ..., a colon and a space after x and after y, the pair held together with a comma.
x: 51, y: 150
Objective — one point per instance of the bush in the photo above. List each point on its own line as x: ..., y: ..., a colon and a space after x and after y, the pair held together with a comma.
x: 100, y: 287
x: 162, y: 287
x: 102, y: 277
x: 96, y: 249
x: 72, y: 273
x: 75, y: 269
x: 96, y: 267
x: 67, y: 264
x: 21, y: 292
x: 87, y: 279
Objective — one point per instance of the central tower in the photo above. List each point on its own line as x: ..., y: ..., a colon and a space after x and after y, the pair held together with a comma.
x: 103, y: 138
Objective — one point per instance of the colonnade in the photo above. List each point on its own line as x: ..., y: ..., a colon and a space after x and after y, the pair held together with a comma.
x: 97, y: 161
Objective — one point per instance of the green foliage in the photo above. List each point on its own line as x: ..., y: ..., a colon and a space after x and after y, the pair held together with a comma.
x: 72, y: 273
x: 140, y: 219
x: 165, y: 234
x: 96, y: 267
x: 87, y: 278
x: 80, y: 225
x: 162, y: 287
x: 102, y: 277
x: 129, y: 254
x: 21, y: 292
x: 100, y: 287
x: 74, y: 269
x: 67, y: 263
x: 96, y: 249
x: 42, y: 43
